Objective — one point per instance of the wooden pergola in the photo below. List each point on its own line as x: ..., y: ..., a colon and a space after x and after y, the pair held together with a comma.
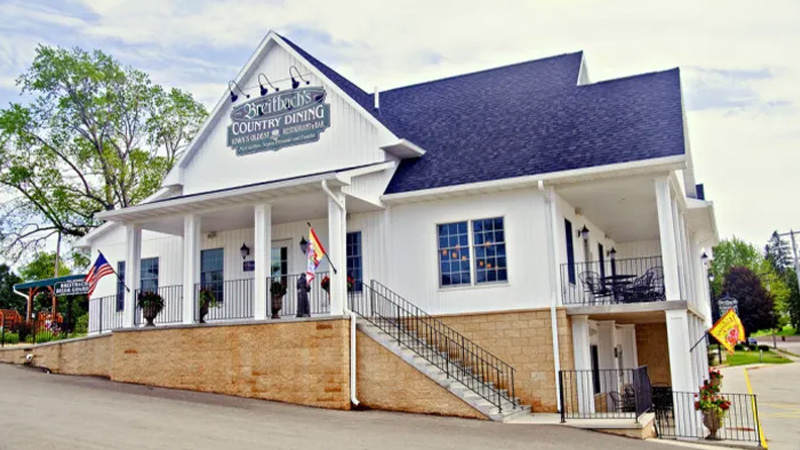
x: 31, y: 288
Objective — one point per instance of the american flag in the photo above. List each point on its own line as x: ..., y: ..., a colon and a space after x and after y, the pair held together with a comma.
x: 100, y: 269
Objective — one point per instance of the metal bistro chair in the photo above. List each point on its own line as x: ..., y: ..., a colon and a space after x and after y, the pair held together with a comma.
x: 656, y: 285
x: 639, y: 289
x: 593, y: 284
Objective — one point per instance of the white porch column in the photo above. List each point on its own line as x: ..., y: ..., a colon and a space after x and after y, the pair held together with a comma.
x: 337, y: 232
x: 583, y: 362
x: 681, y: 371
x: 191, y: 265
x: 630, y: 360
x: 263, y: 249
x: 132, y: 267
x: 666, y: 229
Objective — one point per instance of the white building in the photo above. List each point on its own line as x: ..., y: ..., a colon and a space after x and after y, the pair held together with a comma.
x: 525, y: 188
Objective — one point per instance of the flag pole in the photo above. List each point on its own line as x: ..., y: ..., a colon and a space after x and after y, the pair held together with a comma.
x: 115, y: 272
x: 330, y: 263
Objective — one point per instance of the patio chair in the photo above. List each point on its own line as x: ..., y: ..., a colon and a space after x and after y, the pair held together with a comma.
x: 639, y: 289
x: 656, y: 285
x: 593, y: 284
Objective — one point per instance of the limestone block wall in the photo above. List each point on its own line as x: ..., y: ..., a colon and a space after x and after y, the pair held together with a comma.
x: 387, y: 382
x: 652, y: 350
x: 299, y: 362
x: 84, y: 356
x: 524, y: 340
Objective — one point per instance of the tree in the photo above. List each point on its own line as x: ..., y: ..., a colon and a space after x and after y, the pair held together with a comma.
x: 8, y: 299
x: 756, y: 306
x: 778, y: 254
x: 733, y: 253
x: 97, y: 136
x: 43, y: 266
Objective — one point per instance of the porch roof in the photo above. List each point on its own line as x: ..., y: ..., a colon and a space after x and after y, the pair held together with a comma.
x: 238, y: 195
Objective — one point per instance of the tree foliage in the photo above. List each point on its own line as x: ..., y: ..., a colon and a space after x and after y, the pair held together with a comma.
x: 778, y: 254
x: 43, y: 266
x: 756, y: 306
x: 733, y: 253
x: 8, y: 299
x: 96, y: 136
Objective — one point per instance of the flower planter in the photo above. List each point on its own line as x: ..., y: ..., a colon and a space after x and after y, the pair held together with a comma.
x: 150, y: 312
x: 277, y: 305
x: 203, y: 312
x: 713, y: 421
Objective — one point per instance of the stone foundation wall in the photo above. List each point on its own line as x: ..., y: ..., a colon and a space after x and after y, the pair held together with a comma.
x: 652, y: 350
x: 524, y: 340
x: 82, y: 356
x: 387, y: 382
x: 300, y: 362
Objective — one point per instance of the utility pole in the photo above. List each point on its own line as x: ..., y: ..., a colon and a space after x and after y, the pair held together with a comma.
x: 791, y: 233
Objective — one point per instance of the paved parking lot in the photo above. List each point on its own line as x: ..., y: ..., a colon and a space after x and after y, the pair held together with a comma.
x: 41, y: 411
x: 778, y: 391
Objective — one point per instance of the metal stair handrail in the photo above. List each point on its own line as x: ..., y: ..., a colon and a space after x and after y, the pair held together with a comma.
x: 485, y: 374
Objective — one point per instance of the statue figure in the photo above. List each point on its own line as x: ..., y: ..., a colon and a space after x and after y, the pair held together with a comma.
x: 303, y: 307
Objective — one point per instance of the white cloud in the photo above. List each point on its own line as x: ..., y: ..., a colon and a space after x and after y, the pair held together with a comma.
x: 742, y: 140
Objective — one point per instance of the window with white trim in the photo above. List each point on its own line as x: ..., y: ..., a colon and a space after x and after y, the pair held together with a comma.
x: 472, y: 252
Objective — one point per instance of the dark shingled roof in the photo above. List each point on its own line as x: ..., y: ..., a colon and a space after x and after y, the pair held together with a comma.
x: 524, y: 119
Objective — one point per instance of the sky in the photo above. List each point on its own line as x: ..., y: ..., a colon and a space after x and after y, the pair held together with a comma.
x: 738, y: 61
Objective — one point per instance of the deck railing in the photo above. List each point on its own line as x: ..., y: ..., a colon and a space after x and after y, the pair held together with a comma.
x: 173, y: 306
x: 613, y: 281
x: 605, y: 394
x: 105, y: 314
x: 233, y: 300
x: 290, y: 305
x: 676, y: 417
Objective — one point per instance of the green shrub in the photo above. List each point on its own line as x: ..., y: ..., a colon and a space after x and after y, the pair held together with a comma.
x: 752, y: 347
x: 738, y: 347
x: 763, y: 347
x: 82, y: 324
x: 10, y: 338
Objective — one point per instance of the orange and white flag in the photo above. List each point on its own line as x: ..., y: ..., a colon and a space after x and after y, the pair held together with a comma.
x: 315, y: 254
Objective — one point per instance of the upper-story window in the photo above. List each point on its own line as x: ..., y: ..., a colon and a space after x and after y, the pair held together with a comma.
x: 472, y: 252
x: 570, y: 251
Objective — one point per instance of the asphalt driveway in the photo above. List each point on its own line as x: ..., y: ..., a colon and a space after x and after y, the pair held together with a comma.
x: 46, y: 411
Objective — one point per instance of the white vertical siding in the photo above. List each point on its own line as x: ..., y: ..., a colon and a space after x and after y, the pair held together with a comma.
x: 351, y: 140
x: 638, y: 249
x: 414, y: 256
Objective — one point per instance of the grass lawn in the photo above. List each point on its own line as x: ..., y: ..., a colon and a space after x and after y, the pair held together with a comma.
x: 743, y: 357
x: 786, y: 331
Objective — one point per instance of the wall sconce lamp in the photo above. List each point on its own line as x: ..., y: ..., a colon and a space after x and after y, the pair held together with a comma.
x: 704, y: 258
x: 245, y: 250
x: 264, y: 90
x: 235, y: 97
x: 296, y: 83
x: 303, y: 245
x: 612, y: 253
x: 583, y: 233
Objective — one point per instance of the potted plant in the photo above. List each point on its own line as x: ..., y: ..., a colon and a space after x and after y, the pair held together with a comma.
x: 151, y: 304
x: 277, y: 290
x: 325, y: 284
x: 207, y: 300
x: 712, y: 405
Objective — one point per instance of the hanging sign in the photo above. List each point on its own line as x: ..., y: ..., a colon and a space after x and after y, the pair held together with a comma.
x: 727, y: 303
x: 72, y: 287
x: 278, y: 120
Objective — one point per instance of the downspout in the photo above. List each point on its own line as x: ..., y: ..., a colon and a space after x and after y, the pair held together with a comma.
x: 351, y: 314
x: 550, y: 203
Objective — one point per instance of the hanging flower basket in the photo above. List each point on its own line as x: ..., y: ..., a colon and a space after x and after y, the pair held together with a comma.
x: 712, y: 404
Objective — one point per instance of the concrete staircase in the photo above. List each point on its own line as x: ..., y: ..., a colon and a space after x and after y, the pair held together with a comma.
x: 447, y: 372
